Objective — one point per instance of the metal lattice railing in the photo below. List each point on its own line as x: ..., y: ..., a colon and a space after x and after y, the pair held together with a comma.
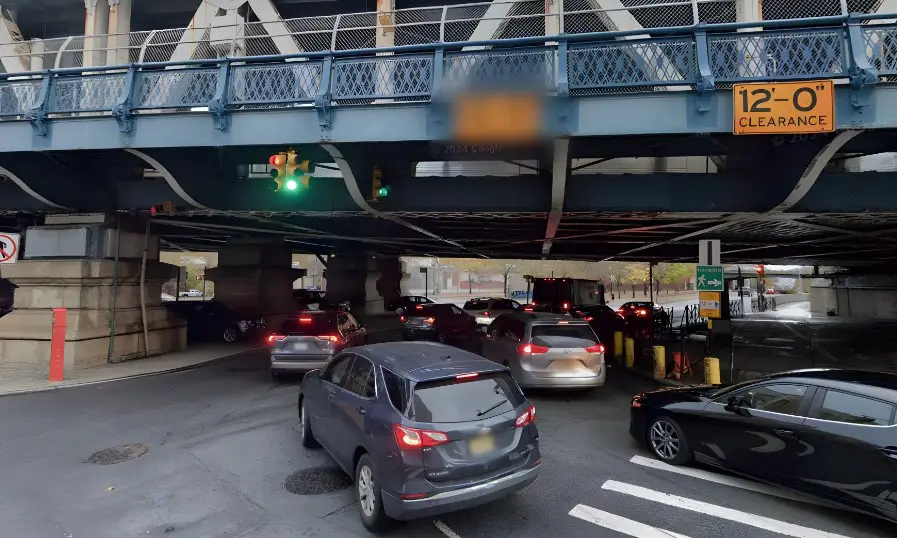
x: 684, y: 58
x: 502, y: 19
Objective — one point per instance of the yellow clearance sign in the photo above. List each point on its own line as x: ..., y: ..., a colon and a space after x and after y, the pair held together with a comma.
x: 784, y: 107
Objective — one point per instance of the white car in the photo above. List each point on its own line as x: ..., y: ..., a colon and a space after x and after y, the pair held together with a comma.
x: 486, y: 309
x: 191, y: 293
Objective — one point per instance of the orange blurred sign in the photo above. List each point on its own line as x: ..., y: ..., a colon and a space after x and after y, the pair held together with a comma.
x: 784, y: 107
x: 488, y: 118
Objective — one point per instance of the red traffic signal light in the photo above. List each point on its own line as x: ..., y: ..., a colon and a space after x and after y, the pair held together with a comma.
x: 761, y: 270
x: 277, y: 160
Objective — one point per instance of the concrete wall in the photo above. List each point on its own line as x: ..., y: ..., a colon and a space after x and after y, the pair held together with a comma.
x: 870, y: 296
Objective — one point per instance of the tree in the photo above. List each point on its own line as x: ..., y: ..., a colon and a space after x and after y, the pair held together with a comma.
x: 509, y: 267
x: 634, y: 274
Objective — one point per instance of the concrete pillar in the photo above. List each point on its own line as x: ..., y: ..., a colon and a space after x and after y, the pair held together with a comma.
x: 385, y: 37
x: 368, y: 282
x: 38, y: 47
x: 119, y: 30
x: 96, y: 24
x: 256, y: 276
x: 71, y: 266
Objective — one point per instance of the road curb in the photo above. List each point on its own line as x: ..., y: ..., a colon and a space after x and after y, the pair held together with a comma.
x: 650, y: 375
x: 174, y: 370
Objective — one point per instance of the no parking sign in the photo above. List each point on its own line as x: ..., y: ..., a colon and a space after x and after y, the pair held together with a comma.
x: 9, y: 248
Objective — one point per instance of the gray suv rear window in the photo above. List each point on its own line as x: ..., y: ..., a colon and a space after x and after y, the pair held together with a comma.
x: 463, y: 400
x: 583, y: 332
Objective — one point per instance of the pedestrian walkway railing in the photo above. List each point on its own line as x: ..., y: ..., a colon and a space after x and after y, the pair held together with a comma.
x: 699, y: 58
x: 501, y: 19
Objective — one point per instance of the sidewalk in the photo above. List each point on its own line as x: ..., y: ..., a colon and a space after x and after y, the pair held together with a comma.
x: 16, y: 383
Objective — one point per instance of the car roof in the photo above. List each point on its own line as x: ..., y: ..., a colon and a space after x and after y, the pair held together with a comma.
x: 426, y: 361
x: 546, y: 317
x: 860, y: 381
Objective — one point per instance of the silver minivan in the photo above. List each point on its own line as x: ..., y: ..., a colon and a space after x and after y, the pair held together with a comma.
x: 547, y: 350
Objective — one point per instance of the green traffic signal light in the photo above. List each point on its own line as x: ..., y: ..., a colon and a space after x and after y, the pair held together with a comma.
x: 382, y: 191
x: 291, y: 185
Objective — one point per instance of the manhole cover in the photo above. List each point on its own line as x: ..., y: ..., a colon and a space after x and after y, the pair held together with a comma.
x: 316, y: 481
x: 118, y: 454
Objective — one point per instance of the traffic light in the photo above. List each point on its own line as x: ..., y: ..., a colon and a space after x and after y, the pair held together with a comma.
x: 297, y: 172
x: 378, y: 188
x: 279, y: 170
x: 761, y: 270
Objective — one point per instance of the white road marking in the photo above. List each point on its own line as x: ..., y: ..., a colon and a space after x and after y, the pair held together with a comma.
x: 445, y: 529
x: 725, y: 480
x: 620, y: 524
x: 754, y: 520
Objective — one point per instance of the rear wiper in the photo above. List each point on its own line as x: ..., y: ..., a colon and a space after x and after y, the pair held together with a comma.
x: 481, y: 413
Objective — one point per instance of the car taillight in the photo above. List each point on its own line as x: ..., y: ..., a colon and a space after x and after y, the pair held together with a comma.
x: 531, y: 349
x: 597, y: 348
x: 430, y: 321
x: 412, y: 438
x: 276, y: 338
x: 403, y: 319
x: 642, y: 312
x: 419, y: 307
x: 565, y: 306
x: 329, y: 337
x: 304, y: 320
x: 589, y: 318
x: 528, y: 417
x: 527, y: 309
x: 487, y: 314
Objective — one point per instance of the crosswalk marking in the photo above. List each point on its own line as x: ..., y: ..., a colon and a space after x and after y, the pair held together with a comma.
x: 620, y: 524
x: 754, y: 520
x: 724, y: 480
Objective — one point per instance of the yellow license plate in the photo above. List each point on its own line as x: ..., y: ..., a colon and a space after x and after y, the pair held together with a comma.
x: 481, y: 445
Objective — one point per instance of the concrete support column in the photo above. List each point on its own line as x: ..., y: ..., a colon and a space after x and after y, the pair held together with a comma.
x: 38, y: 47
x: 368, y: 282
x: 385, y: 37
x: 96, y: 24
x: 119, y: 30
x: 72, y: 266
x: 255, y: 276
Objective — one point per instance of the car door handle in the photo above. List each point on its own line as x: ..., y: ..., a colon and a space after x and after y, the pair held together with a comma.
x: 786, y: 433
x: 361, y: 410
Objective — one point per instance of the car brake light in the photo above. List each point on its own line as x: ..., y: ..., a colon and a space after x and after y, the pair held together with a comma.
x: 304, y: 320
x: 531, y: 349
x: 565, y: 306
x: 597, y: 348
x: 533, y: 303
x: 642, y: 312
x: 330, y: 337
x: 466, y: 376
x: 276, y: 338
x: 412, y: 438
x: 527, y: 309
x: 589, y: 318
x: 430, y: 321
x: 528, y: 417
x: 487, y: 314
x: 403, y: 319
x: 563, y: 323
x: 420, y: 307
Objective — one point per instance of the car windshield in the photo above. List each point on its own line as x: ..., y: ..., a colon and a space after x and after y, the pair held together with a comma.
x: 463, y: 400
x: 311, y: 324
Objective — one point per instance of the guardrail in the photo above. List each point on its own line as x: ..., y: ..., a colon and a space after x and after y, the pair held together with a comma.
x: 674, y: 58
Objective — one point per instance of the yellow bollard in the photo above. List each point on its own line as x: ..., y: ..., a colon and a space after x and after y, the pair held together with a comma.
x: 660, y: 362
x: 711, y: 371
x: 618, y: 344
x: 630, y: 353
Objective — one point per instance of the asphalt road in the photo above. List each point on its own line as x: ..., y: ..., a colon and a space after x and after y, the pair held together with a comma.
x: 222, y: 441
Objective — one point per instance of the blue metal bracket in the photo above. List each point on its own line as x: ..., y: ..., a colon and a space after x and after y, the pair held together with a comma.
x: 706, y: 83
x: 123, y: 111
x: 438, y: 109
x: 862, y: 73
x: 38, y: 113
x: 323, y: 100
x: 562, y: 84
x: 218, y: 104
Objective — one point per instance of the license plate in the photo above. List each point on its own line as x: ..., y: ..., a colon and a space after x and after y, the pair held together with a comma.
x: 300, y: 347
x: 482, y: 445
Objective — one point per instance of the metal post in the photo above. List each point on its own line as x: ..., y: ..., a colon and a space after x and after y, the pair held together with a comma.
x: 844, y: 9
x: 426, y: 281
x: 651, y: 281
x: 695, y: 13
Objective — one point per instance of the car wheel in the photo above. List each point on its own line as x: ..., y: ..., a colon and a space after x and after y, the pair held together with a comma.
x: 229, y: 335
x: 370, y: 504
x: 668, y: 442
x: 308, y: 436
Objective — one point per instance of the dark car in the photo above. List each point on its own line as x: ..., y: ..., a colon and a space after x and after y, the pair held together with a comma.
x: 604, y: 321
x: 309, y: 340
x: 440, y: 322
x: 407, y: 302
x: 213, y: 321
x: 424, y: 428
x: 317, y: 300
x: 826, y: 433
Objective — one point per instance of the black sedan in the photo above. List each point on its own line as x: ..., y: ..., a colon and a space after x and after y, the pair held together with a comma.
x: 828, y: 433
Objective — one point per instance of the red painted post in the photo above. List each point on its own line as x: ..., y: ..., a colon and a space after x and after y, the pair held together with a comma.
x: 57, y: 346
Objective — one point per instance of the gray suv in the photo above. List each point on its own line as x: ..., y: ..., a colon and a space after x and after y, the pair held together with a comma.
x: 423, y: 427
x: 308, y: 340
x: 547, y: 350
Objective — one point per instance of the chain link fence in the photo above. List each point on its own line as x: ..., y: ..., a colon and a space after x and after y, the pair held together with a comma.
x: 502, y: 19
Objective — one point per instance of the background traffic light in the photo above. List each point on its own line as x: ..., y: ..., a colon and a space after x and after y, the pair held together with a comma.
x: 379, y: 188
x: 279, y: 170
x: 297, y: 172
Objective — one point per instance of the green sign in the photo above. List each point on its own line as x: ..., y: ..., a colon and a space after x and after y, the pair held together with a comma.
x: 709, y: 278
